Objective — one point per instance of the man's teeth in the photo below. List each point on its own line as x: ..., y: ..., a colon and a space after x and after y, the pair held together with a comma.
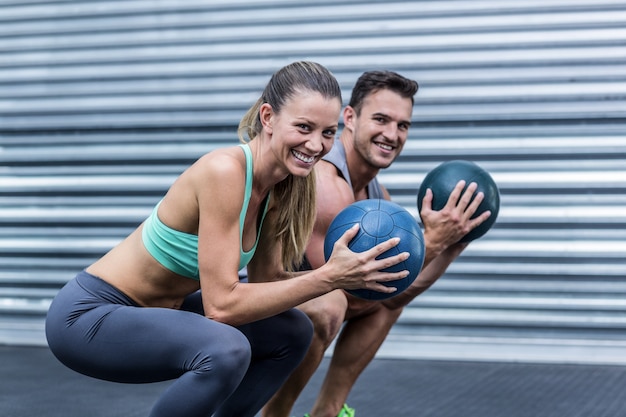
x: 384, y: 146
x: 303, y: 157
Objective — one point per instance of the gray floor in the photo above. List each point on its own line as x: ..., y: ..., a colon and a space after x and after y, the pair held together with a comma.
x: 33, y: 383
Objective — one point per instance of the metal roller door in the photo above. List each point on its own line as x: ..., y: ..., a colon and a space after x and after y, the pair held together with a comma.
x: 104, y: 103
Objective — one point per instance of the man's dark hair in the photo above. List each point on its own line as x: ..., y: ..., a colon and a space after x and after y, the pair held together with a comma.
x: 373, y: 81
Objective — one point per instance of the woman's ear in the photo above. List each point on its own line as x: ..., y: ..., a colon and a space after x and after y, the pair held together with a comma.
x: 266, y: 114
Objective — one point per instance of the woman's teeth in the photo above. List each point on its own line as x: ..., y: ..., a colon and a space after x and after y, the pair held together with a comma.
x: 303, y: 157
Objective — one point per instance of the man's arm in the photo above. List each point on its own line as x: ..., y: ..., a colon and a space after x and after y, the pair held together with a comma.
x: 442, y: 229
x: 427, y: 277
x: 333, y: 195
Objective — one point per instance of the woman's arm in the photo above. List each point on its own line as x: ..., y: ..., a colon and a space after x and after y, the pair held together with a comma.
x: 345, y: 269
x: 230, y: 301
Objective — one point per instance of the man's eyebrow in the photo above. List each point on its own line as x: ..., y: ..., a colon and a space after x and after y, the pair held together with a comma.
x: 383, y: 115
x: 386, y: 116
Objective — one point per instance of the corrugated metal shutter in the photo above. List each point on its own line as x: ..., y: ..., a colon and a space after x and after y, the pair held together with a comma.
x: 103, y: 103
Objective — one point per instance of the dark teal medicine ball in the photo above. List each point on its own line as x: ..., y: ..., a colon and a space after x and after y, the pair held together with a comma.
x: 442, y: 180
x: 380, y: 220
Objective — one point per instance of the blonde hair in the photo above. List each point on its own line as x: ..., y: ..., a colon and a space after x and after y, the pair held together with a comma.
x: 294, y: 196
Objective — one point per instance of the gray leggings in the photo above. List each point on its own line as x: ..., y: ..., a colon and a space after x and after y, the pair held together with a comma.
x: 220, y: 370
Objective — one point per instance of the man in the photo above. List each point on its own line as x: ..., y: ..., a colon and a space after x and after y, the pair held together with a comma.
x: 376, y: 126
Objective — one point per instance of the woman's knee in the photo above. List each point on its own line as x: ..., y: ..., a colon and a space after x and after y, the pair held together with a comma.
x: 292, y: 329
x: 225, y: 355
x: 286, y: 335
x: 301, y: 329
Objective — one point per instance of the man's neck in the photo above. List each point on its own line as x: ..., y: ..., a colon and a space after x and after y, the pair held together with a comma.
x: 361, y: 173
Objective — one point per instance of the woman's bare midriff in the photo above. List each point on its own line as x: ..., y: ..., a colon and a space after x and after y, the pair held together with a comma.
x: 131, y: 269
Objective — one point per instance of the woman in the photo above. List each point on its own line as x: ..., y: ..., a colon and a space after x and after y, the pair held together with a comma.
x: 137, y: 315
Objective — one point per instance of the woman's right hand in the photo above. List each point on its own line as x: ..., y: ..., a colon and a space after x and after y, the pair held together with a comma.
x: 356, y: 270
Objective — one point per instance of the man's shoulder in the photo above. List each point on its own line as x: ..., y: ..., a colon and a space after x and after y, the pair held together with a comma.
x: 324, y: 167
x: 332, y: 188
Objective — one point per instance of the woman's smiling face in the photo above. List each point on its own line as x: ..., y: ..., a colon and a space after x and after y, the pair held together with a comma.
x: 304, y: 130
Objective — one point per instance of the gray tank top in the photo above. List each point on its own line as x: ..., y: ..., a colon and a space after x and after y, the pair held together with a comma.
x: 337, y: 157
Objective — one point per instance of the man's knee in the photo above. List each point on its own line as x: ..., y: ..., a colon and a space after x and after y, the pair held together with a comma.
x: 394, y: 313
x: 327, y: 315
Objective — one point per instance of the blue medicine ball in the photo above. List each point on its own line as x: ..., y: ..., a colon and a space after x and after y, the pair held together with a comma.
x: 442, y: 180
x: 380, y: 220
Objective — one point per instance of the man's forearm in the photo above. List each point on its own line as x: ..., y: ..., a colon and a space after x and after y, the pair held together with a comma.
x: 427, y: 277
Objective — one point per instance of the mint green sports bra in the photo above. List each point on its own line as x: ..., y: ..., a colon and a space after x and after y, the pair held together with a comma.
x: 178, y: 251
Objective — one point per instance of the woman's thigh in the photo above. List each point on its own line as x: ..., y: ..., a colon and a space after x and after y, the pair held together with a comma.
x: 127, y: 343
